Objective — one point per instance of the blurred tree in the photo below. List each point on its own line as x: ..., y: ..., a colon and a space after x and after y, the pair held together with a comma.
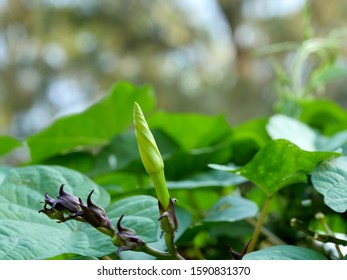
x: 56, y: 57
x: 59, y: 56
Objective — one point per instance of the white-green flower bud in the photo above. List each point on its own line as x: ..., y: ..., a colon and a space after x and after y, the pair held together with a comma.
x: 150, y: 156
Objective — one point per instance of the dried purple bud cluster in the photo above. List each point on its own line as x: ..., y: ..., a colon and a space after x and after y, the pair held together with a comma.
x: 67, y: 206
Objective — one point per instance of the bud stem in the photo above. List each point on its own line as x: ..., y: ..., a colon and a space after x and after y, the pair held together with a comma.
x: 154, y: 165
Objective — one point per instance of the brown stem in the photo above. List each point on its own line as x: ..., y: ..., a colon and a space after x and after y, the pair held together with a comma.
x: 299, y: 225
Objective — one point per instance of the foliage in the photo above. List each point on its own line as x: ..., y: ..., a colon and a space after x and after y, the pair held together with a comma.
x: 290, y: 167
x: 285, y: 252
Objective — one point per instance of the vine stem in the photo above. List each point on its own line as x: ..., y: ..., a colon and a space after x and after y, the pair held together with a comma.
x: 259, y: 224
x: 321, y: 218
x: 169, y: 240
x: 156, y: 253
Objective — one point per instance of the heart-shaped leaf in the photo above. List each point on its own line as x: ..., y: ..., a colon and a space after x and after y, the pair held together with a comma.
x: 93, y: 127
x: 278, y: 164
x: 281, y: 163
x: 27, y: 234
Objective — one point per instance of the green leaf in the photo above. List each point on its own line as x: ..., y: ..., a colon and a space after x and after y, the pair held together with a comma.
x: 325, y: 115
x: 191, y: 131
x: 123, y: 154
x: 330, y: 179
x: 140, y: 213
x: 284, y: 252
x: 281, y: 163
x: 230, y: 209
x: 181, y: 164
x: 83, y: 258
x: 80, y: 161
x: 93, y: 127
x: 284, y: 127
x: 118, y: 155
x: 27, y: 234
x: 336, y: 142
x: 8, y: 143
x: 247, y: 139
x: 207, y: 179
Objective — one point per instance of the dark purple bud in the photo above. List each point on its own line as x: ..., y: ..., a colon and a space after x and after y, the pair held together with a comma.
x: 126, y: 238
x: 94, y: 215
x: 64, y: 202
x: 48, y: 200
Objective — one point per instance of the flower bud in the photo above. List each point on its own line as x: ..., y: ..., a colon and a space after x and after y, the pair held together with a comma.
x: 126, y: 238
x: 148, y: 149
x: 64, y: 202
x: 150, y: 156
x: 95, y: 216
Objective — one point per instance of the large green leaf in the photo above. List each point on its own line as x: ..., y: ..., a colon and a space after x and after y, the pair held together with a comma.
x: 330, y: 179
x: 278, y: 164
x: 95, y: 126
x: 8, y: 143
x: 284, y: 252
x: 281, y: 163
x: 140, y: 213
x: 191, y: 131
x: 230, y: 209
x: 27, y: 234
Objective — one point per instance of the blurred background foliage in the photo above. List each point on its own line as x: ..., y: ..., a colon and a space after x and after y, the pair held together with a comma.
x: 58, y: 57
